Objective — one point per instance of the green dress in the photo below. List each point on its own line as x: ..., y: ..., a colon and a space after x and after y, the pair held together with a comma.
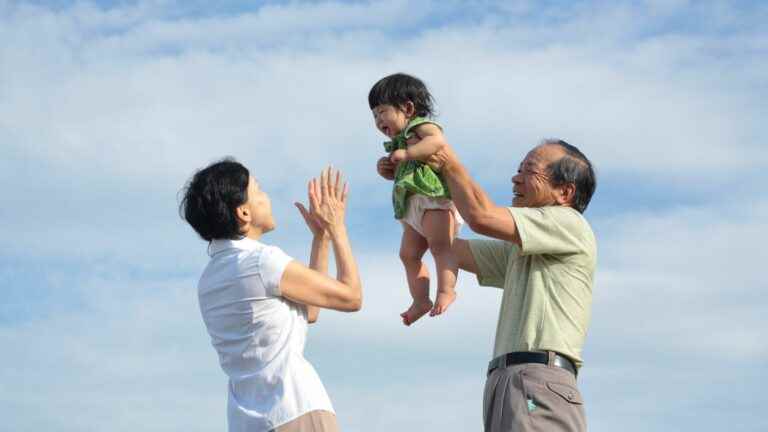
x: 413, y: 177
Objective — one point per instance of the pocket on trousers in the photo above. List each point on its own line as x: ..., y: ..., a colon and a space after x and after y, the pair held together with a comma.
x: 552, y: 405
x: 567, y: 392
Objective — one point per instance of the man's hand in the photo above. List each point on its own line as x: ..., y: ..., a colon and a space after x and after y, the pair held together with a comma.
x: 442, y: 159
x: 386, y: 168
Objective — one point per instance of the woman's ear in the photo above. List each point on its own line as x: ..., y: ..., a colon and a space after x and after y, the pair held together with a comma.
x: 243, y: 214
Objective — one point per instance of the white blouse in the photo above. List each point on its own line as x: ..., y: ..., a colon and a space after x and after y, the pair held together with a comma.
x: 259, y: 336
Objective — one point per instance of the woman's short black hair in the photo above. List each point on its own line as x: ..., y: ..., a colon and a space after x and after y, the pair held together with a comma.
x: 399, y: 88
x: 211, y: 197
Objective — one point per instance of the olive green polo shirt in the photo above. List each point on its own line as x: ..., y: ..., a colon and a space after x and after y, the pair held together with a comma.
x: 547, y: 281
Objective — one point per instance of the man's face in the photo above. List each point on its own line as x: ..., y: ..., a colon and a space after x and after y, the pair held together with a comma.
x: 531, y: 185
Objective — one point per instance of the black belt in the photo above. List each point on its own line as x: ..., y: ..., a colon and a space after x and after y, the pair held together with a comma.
x: 520, y: 357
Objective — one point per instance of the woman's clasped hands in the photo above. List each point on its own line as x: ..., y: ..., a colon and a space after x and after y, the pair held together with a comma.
x: 327, y: 203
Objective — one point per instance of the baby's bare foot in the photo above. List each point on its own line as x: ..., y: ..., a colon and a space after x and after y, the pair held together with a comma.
x: 416, y: 311
x: 443, y: 300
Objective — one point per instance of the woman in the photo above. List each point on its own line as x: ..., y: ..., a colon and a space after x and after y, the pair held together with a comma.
x: 256, y: 301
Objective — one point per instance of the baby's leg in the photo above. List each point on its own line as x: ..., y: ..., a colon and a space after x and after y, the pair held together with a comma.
x: 412, y: 249
x: 439, y: 226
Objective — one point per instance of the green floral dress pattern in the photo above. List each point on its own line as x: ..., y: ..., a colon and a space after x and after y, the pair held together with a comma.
x: 413, y: 177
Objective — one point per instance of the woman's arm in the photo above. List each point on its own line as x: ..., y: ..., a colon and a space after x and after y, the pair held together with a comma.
x: 318, y: 258
x: 312, y: 288
x: 318, y: 261
x: 327, y: 199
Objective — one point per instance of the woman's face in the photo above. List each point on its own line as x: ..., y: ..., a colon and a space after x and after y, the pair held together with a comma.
x: 260, y: 207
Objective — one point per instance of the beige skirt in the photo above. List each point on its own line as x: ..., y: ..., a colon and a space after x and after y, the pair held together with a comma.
x: 313, y: 421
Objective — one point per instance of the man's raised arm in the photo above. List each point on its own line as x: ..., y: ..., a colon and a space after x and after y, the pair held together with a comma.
x: 481, y: 214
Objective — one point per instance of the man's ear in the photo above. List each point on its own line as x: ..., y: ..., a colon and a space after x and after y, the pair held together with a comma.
x: 565, y: 194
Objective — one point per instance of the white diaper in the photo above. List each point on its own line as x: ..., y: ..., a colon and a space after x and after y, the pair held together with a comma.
x: 416, y: 206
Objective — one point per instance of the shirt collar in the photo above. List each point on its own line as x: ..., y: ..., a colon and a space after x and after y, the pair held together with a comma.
x: 218, y: 245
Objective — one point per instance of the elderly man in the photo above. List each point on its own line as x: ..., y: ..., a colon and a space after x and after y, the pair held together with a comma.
x: 543, y: 257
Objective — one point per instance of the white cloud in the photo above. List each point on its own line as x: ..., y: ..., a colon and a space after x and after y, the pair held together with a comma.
x: 81, y: 112
x: 125, y: 359
x: 683, y: 281
x: 104, y: 113
x: 181, y: 101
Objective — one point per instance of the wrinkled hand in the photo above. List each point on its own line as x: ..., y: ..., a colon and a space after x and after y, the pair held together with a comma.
x: 328, y: 200
x: 398, y: 156
x: 386, y: 168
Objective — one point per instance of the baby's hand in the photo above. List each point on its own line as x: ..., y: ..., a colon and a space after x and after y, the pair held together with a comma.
x: 398, y: 156
x: 385, y: 168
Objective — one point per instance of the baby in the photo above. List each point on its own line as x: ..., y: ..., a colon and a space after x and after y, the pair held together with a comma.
x: 402, y: 110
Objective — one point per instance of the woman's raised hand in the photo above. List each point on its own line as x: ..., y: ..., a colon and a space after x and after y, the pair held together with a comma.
x: 328, y: 200
x: 313, y: 224
x: 325, y: 217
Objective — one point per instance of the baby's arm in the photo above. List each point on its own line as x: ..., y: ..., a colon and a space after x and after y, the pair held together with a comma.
x: 430, y: 141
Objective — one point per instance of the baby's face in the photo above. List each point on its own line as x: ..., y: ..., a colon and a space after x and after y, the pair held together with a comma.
x: 390, y: 120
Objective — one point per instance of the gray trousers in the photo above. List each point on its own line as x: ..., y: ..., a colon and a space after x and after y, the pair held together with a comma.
x: 532, y: 397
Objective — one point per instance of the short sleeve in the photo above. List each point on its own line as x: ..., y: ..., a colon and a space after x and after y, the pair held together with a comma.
x: 273, y: 262
x: 492, y: 258
x: 550, y: 230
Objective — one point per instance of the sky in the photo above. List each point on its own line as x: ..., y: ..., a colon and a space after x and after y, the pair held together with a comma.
x: 107, y: 108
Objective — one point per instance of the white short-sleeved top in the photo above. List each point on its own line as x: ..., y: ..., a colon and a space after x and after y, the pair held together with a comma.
x: 258, y: 335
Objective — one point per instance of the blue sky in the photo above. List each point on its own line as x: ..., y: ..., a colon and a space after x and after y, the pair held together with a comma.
x: 107, y: 108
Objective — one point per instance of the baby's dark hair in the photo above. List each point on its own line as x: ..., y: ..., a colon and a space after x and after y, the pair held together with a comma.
x: 398, y: 89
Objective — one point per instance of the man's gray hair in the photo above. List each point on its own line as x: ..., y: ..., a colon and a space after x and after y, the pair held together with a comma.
x: 573, y: 168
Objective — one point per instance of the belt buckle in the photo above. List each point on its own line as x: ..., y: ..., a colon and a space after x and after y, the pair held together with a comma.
x: 564, y: 362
